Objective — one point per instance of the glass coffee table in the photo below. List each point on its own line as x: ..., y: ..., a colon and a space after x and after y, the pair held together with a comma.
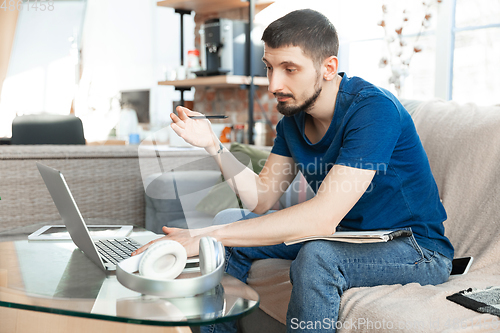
x: 56, y: 277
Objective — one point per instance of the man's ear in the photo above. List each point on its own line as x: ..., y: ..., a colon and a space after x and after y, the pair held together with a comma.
x: 331, y: 66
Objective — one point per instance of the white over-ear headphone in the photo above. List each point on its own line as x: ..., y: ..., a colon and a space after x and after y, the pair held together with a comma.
x: 163, y: 261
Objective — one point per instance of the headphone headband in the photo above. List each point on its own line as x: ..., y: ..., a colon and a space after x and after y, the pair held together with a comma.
x: 170, y: 288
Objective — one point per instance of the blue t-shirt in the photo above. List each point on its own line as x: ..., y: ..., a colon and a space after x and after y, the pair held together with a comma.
x: 371, y: 130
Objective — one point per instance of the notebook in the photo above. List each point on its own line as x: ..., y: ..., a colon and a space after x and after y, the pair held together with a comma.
x: 358, y: 237
x: 105, y: 253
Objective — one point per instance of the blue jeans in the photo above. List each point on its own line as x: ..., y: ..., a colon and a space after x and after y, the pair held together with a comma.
x: 322, y: 270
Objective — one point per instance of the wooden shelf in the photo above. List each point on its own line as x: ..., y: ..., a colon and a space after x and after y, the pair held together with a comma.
x: 183, y: 7
x: 217, y: 81
x: 210, y: 6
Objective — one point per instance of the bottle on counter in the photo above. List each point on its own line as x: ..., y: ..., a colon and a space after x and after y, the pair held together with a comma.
x: 193, y: 63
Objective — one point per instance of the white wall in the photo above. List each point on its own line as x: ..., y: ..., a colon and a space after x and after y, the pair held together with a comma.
x: 166, y: 41
x: 128, y: 45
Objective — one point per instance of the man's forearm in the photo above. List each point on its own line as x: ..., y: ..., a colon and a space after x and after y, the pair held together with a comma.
x: 317, y: 216
x: 305, y: 219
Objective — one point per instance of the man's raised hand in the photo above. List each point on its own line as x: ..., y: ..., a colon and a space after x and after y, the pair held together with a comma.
x: 197, y: 132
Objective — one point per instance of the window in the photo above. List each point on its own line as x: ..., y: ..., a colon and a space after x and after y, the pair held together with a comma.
x: 41, y: 76
x: 476, y: 56
x: 459, y: 58
x: 377, y: 59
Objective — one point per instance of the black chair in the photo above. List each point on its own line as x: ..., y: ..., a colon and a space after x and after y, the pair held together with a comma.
x: 48, y: 129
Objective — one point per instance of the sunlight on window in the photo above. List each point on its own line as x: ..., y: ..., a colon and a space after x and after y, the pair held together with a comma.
x: 96, y: 101
x: 21, y: 94
x: 476, y: 72
x: 364, y: 60
x: 350, y: 22
x: 282, y: 7
x: 420, y: 82
x: 357, y: 20
x: 42, y: 89
x: 478, y: 12
x: 60, y: 86
x: 41, y: 70
x: 363, y: 42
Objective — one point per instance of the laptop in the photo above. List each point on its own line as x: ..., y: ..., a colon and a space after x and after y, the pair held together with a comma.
x: 105, y: 253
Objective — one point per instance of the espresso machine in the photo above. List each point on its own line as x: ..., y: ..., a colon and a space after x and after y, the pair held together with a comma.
x: 224, y: 51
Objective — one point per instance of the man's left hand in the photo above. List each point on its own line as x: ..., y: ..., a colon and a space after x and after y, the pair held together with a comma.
x: 183, y: 236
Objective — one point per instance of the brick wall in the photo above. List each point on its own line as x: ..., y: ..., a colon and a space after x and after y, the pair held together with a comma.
x: 233, y: 102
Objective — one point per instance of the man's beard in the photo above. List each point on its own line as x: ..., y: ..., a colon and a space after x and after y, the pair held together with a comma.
x: 291, y: 110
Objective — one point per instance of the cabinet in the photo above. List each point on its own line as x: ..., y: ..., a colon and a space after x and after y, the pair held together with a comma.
x: 183, y: 7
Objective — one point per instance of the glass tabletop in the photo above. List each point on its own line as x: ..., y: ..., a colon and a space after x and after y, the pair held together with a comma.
x: 56, y: 277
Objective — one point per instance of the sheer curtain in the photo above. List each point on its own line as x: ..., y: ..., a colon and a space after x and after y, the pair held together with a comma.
x: 8, y: 20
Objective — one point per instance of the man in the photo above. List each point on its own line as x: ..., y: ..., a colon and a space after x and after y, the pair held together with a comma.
x: 358, y: 149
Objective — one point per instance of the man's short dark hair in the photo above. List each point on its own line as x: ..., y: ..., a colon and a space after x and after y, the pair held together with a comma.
x: 306, y: 28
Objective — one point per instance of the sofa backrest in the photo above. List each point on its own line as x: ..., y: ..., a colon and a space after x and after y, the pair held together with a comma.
x: 106, y: 181
x: 463, y: 146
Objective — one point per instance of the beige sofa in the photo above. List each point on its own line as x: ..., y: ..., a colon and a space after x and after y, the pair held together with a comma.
x: 463, y: 146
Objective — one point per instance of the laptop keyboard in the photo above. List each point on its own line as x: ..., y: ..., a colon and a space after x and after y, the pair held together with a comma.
x: 116, y: 250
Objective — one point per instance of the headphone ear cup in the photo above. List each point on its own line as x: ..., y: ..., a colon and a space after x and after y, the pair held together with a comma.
x: 163, y: 260
x: 208, y: 260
